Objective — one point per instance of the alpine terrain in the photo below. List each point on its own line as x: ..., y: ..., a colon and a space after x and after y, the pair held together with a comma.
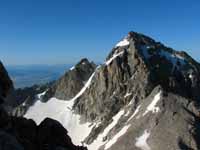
x: 18, y: 133
x: 145, y: 96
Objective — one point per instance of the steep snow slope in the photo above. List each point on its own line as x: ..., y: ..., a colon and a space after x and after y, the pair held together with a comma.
x: 61, y: 111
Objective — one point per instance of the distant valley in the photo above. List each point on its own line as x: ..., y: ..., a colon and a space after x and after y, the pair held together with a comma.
x: 28, y: 75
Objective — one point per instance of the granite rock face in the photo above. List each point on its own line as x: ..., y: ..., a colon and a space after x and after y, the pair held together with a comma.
x: 71, y: 82
x: 130, y: 79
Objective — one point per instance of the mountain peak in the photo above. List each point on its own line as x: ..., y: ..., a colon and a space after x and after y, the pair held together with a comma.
x: 143, y: 90
x: 141, y: 38
x: 83, y: 61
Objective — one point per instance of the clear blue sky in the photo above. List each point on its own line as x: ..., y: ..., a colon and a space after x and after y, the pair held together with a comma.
x: 63, y: 31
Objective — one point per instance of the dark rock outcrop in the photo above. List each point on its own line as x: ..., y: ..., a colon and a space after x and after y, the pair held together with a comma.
x: 5, y: 82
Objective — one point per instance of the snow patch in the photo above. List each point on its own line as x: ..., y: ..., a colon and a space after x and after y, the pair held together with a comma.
x: 179, y: 56
x: 99, y: 141
x: 135, y: 113
x: 113, y: 57
x: 191, y: 76
x: 117, y: 136
x: 127, y: 95
x: 141, y: 142
x: 127, y: 113
x: 72, y: 68
x: 132, y: 101
x: 41, y: 94
x: 124, y: 42
x: 84, y: 88
x: 174, y: 58
x: 152, y: 106
x: 61, y: 111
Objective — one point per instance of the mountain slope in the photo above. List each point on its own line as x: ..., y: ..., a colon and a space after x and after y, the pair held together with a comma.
x: 145, y: 97
x: 72, y: 81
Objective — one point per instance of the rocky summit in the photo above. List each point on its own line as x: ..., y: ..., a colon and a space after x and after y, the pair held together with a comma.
x: 72, y: 81
x: 145, y: 96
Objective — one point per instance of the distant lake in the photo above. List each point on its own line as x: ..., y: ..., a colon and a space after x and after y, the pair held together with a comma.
x: 28, y: 75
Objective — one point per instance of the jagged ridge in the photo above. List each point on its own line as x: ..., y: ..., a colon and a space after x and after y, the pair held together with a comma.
x: 145, y: 96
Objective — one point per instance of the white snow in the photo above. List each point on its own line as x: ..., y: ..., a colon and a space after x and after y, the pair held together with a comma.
x: 84, y: 88
x: 152, y: 106
x: 132, y: 101
x: 124, y: 42
x: 24, y: 103
x: 113, y: 57
x: 179, y: 56
x: 72, y: 68
x: 37, y: 97
x: 40, y: 95
x: 127, y: 95
x: 61, y: 111
x: 117, y: 136
x: 191, y: 76
x: 141, y: 142
x: 127, y: 113
x: 135, y: 113
x: 172, y: 57
x: 99, y: 141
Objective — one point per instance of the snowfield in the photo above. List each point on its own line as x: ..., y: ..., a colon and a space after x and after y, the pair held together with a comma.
x: 61, y: 111
x: 141, y: 142
x: 152, y: 106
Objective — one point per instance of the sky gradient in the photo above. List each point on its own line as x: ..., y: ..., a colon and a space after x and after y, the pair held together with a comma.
x: 64, y: 31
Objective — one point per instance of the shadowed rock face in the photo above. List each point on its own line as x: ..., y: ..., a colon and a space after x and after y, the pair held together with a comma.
x: 5, y: 82
x: 17, y: 133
